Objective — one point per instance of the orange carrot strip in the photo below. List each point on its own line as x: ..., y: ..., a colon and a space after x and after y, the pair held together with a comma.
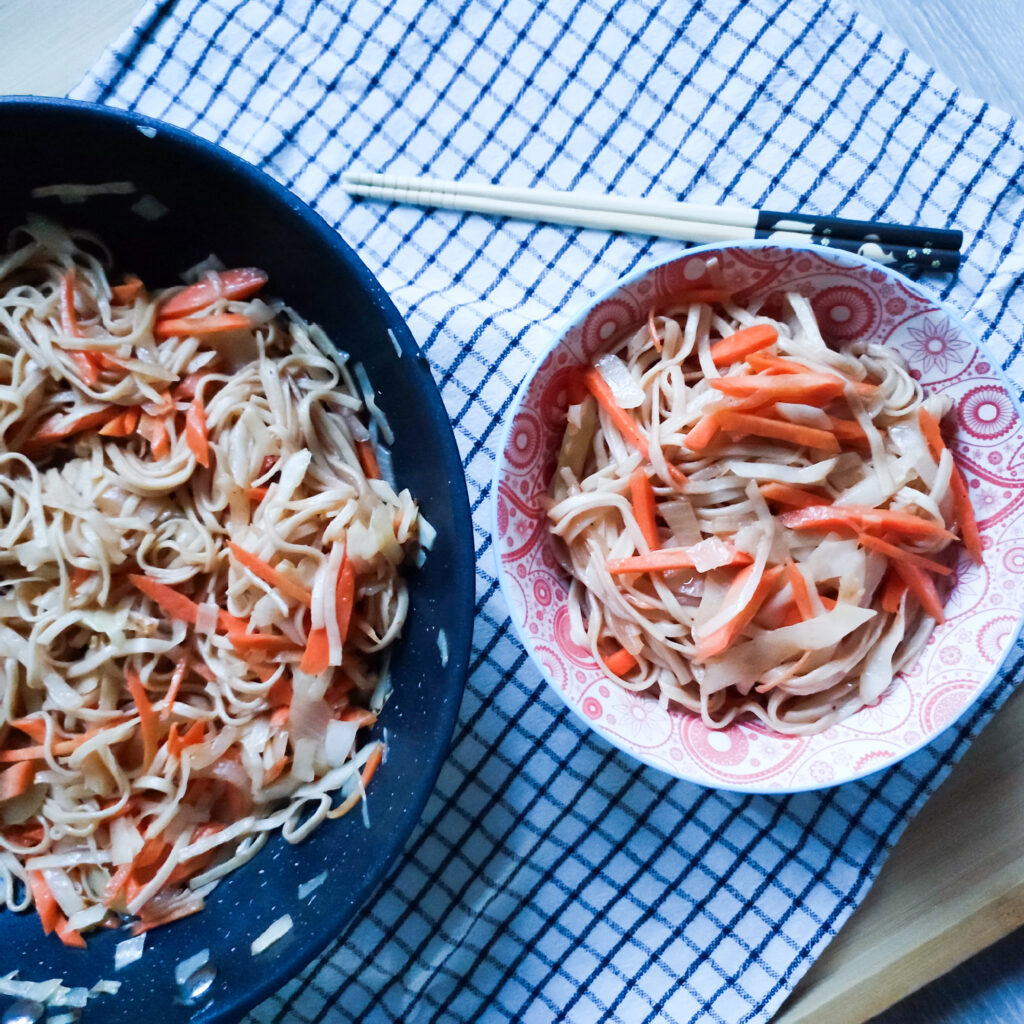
x: 46, y: 904
x: 34, y: 727
x: 256, y: 494
x: 119, y: 426
x: 801, y: 595
x: 61, y: 425
x: 316, y: 658
x: 160, y: 445
x: 962, y: 507
x: 789, y: 494
x: 718, y: 641
x: 893, y: 590
x: 124, y: 294
x: 195, y: 431
x: 68, y: 935
x: 274, y: 771
x: 16, y: 780
x: 175, y: 685
x: 363, y: 717
x: 620, y: 663
x: 148, y: 722
x: 894, y: 553
x: 199, y: 326
x: 269, y: 643
x: 644, y: 507
x: 193, y: 735
x: 68, y: 319
x: 344, y: 596
x: 173, y: 604
x: 287, y: 586
x: 860, y: 517
x: 702, y: 433
x: 780, y: 430
x: 849, y: 432
x: 621, y: 420
x: 241, y: 283
x: 664, y: 560
x: 762, y: 362
x: 807, y: 388
x: 86, y: 365
x: 368, y: 459
x: 739, y: 345
x: 923, y: 588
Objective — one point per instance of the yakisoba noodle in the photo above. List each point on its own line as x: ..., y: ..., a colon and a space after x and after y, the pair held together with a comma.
x: 755, y: 523
x: 199, y: 572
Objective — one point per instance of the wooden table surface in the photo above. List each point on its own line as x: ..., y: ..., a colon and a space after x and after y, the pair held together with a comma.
x: 50, y: 44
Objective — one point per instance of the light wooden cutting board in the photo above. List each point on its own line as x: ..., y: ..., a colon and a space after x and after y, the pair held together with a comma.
x: 955, y: 881
x: 953, y: 884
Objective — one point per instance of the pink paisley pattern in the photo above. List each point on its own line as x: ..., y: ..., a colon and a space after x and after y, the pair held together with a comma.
x: 984, y: 607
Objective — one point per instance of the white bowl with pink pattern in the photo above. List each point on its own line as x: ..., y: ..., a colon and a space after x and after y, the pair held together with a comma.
x: 853, y: 298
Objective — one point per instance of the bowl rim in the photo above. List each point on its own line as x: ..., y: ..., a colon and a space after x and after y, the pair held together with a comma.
x: 574, y: 317
x: 289, y: 962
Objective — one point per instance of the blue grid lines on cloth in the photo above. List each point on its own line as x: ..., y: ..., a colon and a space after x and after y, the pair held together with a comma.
x: 551, y: 878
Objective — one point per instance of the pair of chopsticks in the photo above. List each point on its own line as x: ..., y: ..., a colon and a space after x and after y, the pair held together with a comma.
x: 908, y: 248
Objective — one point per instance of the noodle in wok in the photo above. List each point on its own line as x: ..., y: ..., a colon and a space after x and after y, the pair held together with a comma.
x: 199, y: 579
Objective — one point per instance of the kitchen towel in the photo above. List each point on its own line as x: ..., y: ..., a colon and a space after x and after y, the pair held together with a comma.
x: 553, y: 879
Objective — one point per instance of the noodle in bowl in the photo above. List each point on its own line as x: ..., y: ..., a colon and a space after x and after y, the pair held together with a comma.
x: 628, y: 639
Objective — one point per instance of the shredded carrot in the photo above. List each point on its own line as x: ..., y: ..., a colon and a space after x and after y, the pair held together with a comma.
x: 86, y: 365
x: 368, y: 459
x: 620, y: 663
x: 898, y: 554
x: 780, y: 430
x: 175, y: 685
x: 68, y: 935
x: 718, y: 641
x: 702, y: 433
x: 200, y: 326
x: 741, y: 344
x: 923, y: 588
x: 848, y: 432
x: 161, y: 443
x: 68, y: 318
x: 32, y: 727
x: 16, y: 780
x: 344, y: 595
x: 665, y: 560
x: 125, y: 293
x: 860, y: 517
x: 962, y: 507
x: 256, y: 494
x: 762, y: 362
x: 363, y: 717
x: 287, y: 586
x: 173, y: 604
x: 44, y: 900
x: 620, y: 419
x: 122, y: 425
x: 806, y: 388
x: 195, y: 431
x: 316, y: 658
x: 792, y: 496
x: 192, y: 736
x: 268, y: 643
x: 117, y: 882
x: 893, y: 589
x: 644, y: 507
x: 274, y: 771
x: 61, y: 425
x: 241, y: 283
x: 148, y: 722
x: 801, y: 595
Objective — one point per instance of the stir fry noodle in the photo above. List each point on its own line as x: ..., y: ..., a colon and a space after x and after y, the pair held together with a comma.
x: 199, y: 579
x: 755, y: 523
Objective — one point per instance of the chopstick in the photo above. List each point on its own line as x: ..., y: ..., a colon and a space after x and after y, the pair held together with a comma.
x: 907, y: 247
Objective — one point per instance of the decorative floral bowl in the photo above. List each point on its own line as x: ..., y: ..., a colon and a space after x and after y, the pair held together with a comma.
x: 853, y: 299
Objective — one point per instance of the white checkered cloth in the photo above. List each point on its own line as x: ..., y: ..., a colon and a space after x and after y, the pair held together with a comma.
x: 553, y: 878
